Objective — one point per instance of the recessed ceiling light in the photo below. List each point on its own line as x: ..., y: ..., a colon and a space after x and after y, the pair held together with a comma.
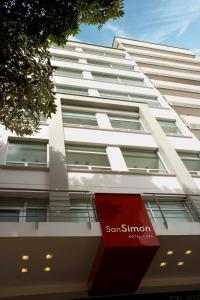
x: 163, y: 264
x: 188, y: 251
x: 25, y: 257
x: 47, y: 269
x: 24, y: 270
x: 180, y: 263
x: 170, y: 252
x: 49, y: 256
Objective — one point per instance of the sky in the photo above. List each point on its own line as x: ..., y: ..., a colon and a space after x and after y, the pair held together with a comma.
x: 169, y: 22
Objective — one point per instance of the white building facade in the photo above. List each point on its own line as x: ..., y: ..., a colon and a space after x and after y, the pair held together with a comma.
x: 127, y: 122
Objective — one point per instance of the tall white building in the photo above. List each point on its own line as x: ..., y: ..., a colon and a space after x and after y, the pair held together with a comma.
x: 127, y: 122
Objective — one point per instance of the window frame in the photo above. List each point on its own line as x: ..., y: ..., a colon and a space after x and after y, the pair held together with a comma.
x: 71, y: 73
x: 72, y: 90
x: 135, y: 98
x: 174, y: 121
x: 145, y: 170
x: 87, y: 167
x: 117, y: 79
x: 93, y: 118
x: 192, y: 172
x: 135, y: 117
x: 26, y: 163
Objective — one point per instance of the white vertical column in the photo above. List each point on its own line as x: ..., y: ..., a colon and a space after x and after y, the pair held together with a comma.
x: 116, y: 159
x: 58, y: 175
x: 87, y: 75
x: 103, y: 121
x: 93, y: 92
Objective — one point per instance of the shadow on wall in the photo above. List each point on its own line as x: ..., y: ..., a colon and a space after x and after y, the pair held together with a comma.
x: 58, y: 172
x: 123, y: 183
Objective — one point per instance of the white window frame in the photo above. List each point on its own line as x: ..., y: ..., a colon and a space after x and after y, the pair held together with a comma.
x: 116, y: 79
x: 172, y: 122
x: 72, y: 90
x: 26, y: 163
x: 130, y: 97
x: 104, y: 53
x: 87, y: 167
x: 135, y: 119
x: 78, y: 116
x: 189, y: 158
x: 145, y: 170
x: 69, y: 72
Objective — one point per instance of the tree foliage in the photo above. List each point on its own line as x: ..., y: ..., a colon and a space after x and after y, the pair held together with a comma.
x: 28, y: 27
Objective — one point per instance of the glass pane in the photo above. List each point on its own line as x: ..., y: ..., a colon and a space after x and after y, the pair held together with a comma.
x: 80, y: 118
x: 27, y: 152
x: 131, y: 81
x: 144, y: 160
x: 85, y: 156
x: 172, y: 205
x: 108, y: 94
x: 169, y: 127
x: 9, y: 215
x: 122, y: 67
x: 125, y: 123
x: 105, y: 77
x: 71, y: 90
x: 36, y: 215
x: 148, y: 100
x: 68, y: 72
x: 98, y: 63
x: 110, y: 65
x: 191, y: 161
x: 103, y: 53
x: 177, y: 216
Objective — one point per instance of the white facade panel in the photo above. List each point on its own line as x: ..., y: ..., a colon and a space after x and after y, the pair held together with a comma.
x: 121, y: 183
x: 24, y: 177
x: 76, y: 135
x: 185, y: 143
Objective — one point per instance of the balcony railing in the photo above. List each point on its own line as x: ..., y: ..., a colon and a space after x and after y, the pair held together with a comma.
x: 25, y: 164
x: 28, y: 205
x: 144, y: 170
x: 87, y: 167
x: 170, y: 208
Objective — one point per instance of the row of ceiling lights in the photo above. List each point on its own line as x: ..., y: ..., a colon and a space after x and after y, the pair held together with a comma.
x: 179, y: 263
x: 27, y: 257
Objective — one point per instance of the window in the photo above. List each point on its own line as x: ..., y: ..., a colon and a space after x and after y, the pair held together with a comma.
x: 100, y: 63
x: 118, y: 79
x: 191, y: 161
x: 65, y: 58
x: 79, y: 118
x: 22, y: 210
x: 152, y: 101
x: 36, y: 215
x: 9, y: 215
x: 83, y: 157
x: 169, y: 127
x: 71, y: 90
x: 173, y: 211
x: 143, y: 161
x: 103, y: 53
x: 129, y: 123
x: 26, y: 153
x: 68, y: 72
